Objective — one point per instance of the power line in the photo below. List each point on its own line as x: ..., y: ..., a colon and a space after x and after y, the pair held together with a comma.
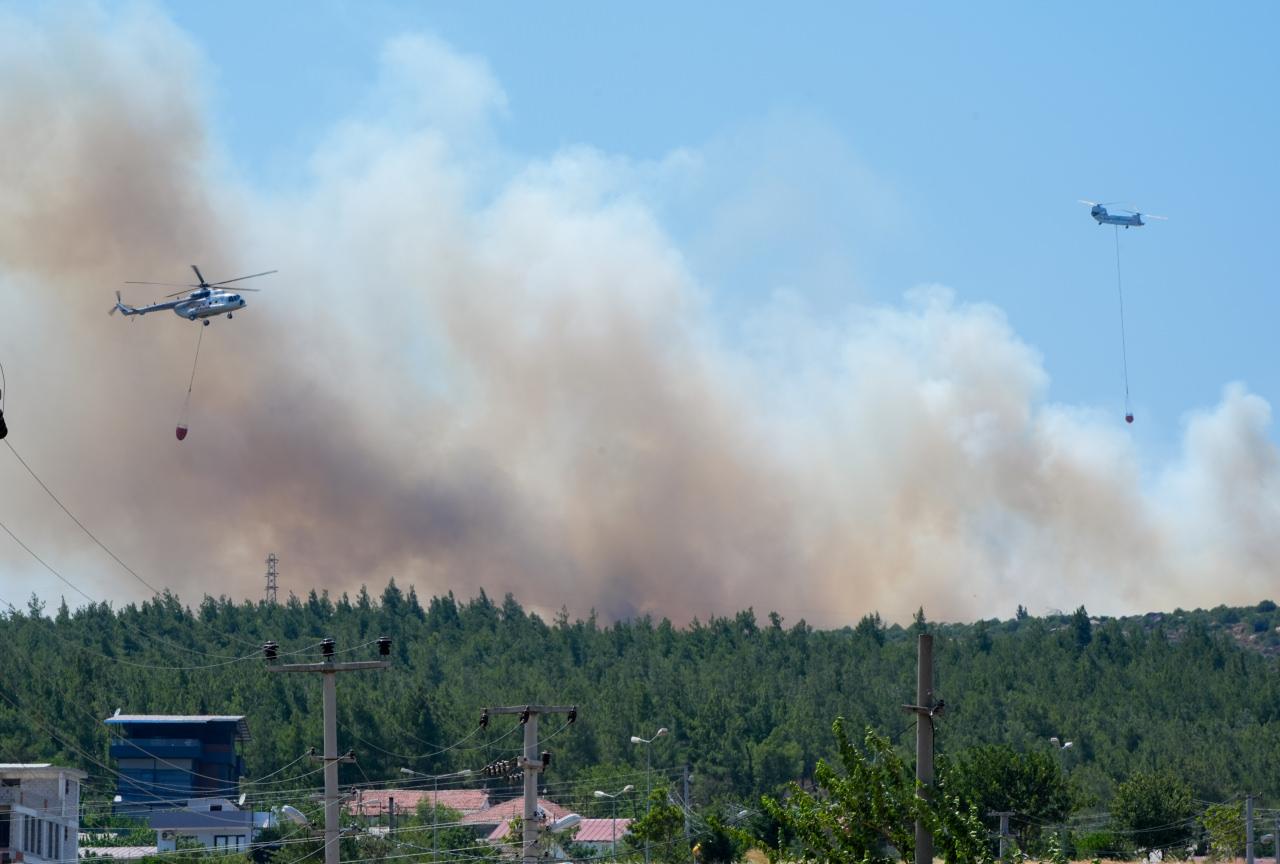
x: 114, y: 557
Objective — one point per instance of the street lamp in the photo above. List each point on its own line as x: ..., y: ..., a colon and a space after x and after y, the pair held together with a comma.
x: 435, y: 800
x: 648, y: 780
x: 614, y: 797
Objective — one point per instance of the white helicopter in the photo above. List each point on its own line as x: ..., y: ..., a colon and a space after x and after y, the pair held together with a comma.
x: 206, y: 301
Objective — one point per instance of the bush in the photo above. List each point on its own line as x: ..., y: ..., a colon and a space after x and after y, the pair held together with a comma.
x: 1102, y: 844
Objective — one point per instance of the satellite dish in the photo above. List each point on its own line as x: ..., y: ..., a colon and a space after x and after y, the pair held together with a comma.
x: 293, y: 814
x: 240, y: 803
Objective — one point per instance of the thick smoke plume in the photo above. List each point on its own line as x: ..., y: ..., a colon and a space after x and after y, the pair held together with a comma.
x: 473, y: 371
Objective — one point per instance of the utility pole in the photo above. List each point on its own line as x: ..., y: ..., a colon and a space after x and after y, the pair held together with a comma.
x: 925, y: 710
x: 1248, y: 829
x: 1004, y: 832
x: 686, y: 804
x: 532, y: 764
x: 329, y: 670
x: 272, y: 560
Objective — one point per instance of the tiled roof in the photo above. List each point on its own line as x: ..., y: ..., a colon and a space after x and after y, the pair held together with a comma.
x: 373, y: 802
x: 589, y: 831
x: 511, y: 809
x: 600, y: 830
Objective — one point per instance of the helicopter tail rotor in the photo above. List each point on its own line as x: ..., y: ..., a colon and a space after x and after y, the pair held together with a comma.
x: 116, y: 307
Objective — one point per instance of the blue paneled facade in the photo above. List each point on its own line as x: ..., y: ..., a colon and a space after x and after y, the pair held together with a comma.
x: 166, y: 760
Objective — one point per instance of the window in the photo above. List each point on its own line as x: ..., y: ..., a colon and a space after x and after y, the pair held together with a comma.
x: 10, y: 781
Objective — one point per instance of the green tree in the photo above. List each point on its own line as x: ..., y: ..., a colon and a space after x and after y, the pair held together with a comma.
x: 866, y: 812
x: 1081, y: 628
x: 996, y: 778
x: 872, y: 627
x: 1156, y: 807
x: 1224, y: 824
x: 661, y: 830
x: 719, y: 843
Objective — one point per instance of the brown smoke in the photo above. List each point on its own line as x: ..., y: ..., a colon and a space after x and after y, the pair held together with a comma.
x: 463, y: 381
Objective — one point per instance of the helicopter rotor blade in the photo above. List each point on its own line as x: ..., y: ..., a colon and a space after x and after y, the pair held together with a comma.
x: 166, y: 284
x: 1152, y: 216
x: 1090, y: 203
x: 238, y: 278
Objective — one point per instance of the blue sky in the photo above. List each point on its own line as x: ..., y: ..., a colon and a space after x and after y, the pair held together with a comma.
x: 981, y: 126
x: 640, y: 306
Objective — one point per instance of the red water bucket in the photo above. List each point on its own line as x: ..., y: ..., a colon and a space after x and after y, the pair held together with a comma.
x: 182, y: 432
x: 1128, y: 418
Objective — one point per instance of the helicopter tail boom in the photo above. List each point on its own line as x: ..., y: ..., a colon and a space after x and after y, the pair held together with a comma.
x: 122, y: 307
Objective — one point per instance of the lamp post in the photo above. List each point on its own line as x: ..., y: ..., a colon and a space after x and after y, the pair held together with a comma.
x: 614, y: 797
x: 648, y: 780
x: 435, y: 800
x: 1062, y: 746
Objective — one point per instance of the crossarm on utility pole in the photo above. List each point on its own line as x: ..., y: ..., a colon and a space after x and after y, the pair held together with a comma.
x: 532, y: 765
x: 329, y: 669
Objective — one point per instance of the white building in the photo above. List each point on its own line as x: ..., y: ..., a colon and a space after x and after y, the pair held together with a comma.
x: 214, y: 823
x: 39, y: 813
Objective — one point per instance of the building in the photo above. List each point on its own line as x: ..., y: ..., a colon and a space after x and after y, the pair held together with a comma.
x: 118, y: 853
x: 214, y: 823
x: 484, y: 822
x: 167, y: 760
x: 600, y: 836
x: 377, y: 803
x: 39, y: 812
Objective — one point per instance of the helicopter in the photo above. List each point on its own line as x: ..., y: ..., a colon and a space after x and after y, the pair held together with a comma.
x: 1132, y: 220
x: 206, y: 301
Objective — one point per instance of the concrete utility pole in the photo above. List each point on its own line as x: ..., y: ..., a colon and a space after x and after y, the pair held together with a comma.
x: 1248, y: 829
x: 1004, y: 832
x: 532, y: 764
x: 925, y: 710
x: 686, y: 804
x: 329, y: 669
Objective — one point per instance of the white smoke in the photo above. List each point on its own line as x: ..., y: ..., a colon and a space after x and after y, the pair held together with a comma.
x: 480, y: 370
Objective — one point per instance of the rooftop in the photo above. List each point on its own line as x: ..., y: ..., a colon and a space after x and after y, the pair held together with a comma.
x: 510, y: 809
x: 39, y: 769
x: 242, y: 728
x: 373, y: 802
x: 119, y: 853
x: 588, y: 831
